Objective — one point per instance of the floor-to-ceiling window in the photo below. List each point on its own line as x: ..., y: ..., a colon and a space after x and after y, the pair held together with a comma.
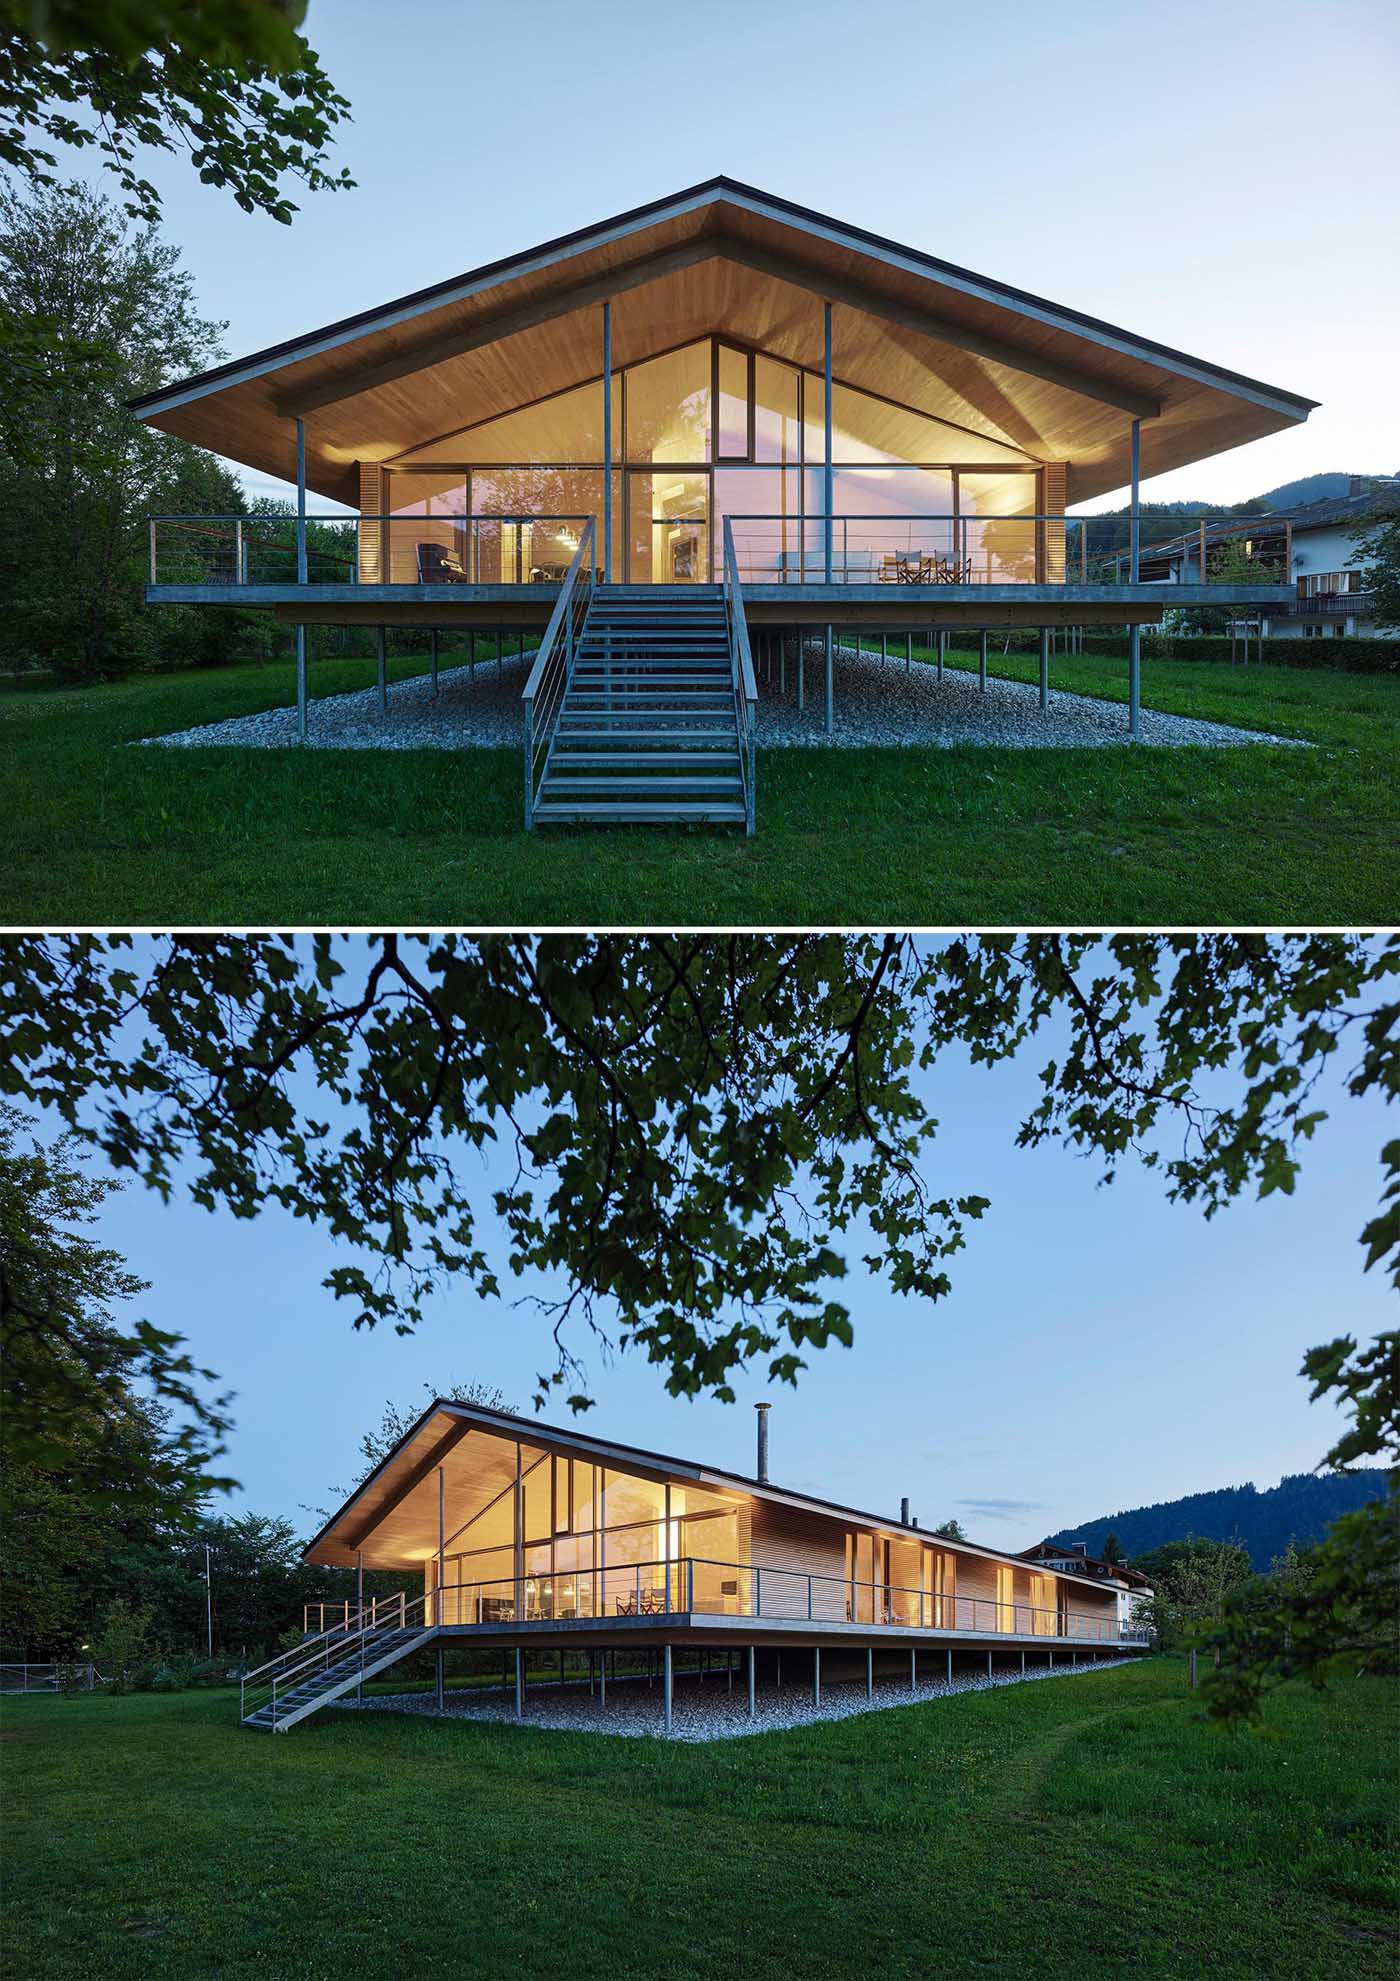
x: 708, y: 431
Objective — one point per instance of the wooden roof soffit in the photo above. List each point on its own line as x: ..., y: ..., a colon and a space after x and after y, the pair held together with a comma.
x: 491, y: 329
x: 565, y: 300
x: 413, y: 1479
x: 944, y: 331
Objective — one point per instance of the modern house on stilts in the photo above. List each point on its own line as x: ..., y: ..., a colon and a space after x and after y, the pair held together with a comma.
x: 514, y: 1537
x: 708, y: 431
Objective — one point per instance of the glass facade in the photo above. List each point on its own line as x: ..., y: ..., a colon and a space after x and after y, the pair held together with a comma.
x: 705, y: 431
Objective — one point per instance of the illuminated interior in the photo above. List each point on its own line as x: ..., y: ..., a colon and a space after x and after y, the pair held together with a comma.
x: 707, y: 431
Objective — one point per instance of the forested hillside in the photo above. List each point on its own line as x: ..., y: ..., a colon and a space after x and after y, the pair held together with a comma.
x: 1299, y: 1508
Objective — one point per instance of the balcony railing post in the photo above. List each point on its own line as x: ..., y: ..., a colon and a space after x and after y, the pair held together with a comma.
x: 690, y: 1585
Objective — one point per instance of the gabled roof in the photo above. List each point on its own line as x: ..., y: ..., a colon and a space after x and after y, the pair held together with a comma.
x: 444, y: 1423
x: 1054, y: 381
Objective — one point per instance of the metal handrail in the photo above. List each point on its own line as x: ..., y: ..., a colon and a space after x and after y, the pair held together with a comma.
x: 741, y: 675
x: 247, y: 528
x: 937, y: 1610
x: 543, y: 694
x: 293, y: 1667
x: 1187, y: 536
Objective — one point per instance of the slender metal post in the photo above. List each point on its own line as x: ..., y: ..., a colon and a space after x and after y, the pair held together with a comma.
x: 519, y: 1683
x: 666, y: 1551
x: 301, y: 684
x: 982, y: 660
x: 1134, y: 512
x: 438, y: 1608
x: 913, y: 1671
x: 869, y: 1673
x: 989, y: 1664
x: 1044, y: 669
x: 301, y: 502
x: 801, y: 672
x: 360, y: 1586
x: 908, y: 651
x: 666, y: 1687
x: 817, y: 1676
x: 753, y: 1687
x: 434, y: 639
x: 602, y: 1679
x: 950, y: 1667
x: 381, y: 651
x: 438, y: 1667
x: 607, y: 443
x: 1023, y: 1664
x: 1135, y: 682
x: 942, y: 653
x: 829, y: 483
x: 829, y: 713
x: 518, y: 1511
x: 153, y: 579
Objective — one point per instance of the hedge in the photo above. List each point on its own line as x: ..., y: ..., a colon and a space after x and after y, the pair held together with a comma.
x: 1358, y: 655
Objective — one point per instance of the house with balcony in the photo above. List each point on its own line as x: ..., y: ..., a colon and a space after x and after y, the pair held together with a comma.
x: 1131, y: 1588
x: 659, y: 444
x: 1329, y: 597
x: 512, y: 1536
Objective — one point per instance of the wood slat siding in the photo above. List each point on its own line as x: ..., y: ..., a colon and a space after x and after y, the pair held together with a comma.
x: 1054, y: 479
x: 788, y: 1546
x: 371, y: 539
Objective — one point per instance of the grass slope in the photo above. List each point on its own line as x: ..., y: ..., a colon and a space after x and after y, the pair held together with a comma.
x: 1047, y: 1830
x: 95, y: 833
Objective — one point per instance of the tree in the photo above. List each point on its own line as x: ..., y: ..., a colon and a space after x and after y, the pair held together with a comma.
x: 1112, y: 1549
x: 231, y: 82
x: 92, y: 314
x: 1191, y: 1581
x: 1376, y: 548
x: 701, y: 1127
x: 951, y: 1530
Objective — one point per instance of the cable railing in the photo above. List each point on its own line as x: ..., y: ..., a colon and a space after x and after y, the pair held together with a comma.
x: 543, y: 694
x: 955, y: 549
x: 442, y: 550
x: 741, y: 674
x: 698, y: 1586
x: 318, y: 1618
x: 272, y: 1684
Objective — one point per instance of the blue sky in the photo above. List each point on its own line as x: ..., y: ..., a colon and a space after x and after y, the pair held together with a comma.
x: 1220, y: 178
x: 1101, y: 1348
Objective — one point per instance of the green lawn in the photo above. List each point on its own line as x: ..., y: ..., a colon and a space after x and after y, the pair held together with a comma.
x: 1072, y: 1826
x: 96, y: 833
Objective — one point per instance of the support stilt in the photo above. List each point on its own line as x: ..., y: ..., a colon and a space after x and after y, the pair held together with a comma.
x: 869, y: 1674
x: 982, y: 660
x: 520, y: 1685
x: 381, y: 654
x: 439, y: 1675
x: 666, y: 1684
x: 828, y: 682
x: 1135, y: 682
x: 1044, y: 669
x: 816, y: 1677
x: 301, y: 684
x: 753, y: 1686
x: 913, y: 1671
x: 950, y: 1667
x: 433, y: 638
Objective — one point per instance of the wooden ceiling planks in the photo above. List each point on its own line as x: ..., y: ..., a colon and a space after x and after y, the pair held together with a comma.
x: 1016, y: 370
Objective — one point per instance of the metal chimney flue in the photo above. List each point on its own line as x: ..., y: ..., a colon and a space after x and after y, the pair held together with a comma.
x: 763, y: 1409
x: 904, y: 1512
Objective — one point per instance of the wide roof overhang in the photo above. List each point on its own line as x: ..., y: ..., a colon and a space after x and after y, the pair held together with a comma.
x: 392, y: 1516
x: 723, y: 257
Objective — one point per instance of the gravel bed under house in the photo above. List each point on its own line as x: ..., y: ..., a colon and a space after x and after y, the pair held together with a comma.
x: 702, y: 1709
x: 877, y: 703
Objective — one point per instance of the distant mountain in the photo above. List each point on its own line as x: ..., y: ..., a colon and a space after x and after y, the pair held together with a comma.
x: 1308, y: 488
x: 1300, y: 1508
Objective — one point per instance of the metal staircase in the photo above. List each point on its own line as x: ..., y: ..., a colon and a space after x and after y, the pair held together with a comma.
x: 648, y: 731
x: 287, y: 1689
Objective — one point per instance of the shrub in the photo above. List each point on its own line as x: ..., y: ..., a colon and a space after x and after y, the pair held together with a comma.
x: 121, y: 1646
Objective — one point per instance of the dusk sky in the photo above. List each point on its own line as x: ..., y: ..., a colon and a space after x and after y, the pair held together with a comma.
x: 1220, y: 178
x: 1101, y: 1348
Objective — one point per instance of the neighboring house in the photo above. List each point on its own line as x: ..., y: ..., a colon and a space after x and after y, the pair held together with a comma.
x: 1129, y: 1587
x: 1330, y: 597
x: 678, y: 435
x: 510, y: 1534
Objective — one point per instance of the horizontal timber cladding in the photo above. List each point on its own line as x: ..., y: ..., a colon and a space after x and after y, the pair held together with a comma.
x: 1052, y: 558
x: 790, y: 1545
x: 371, y: 535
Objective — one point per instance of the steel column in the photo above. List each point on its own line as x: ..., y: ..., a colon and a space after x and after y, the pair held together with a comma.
x: 753, y: 1688
x: 382, y: 657
x: 829, y: 684
x: 982, y: 660
x: 869, y: 1673
x: 1044, y: 669
x: 519, y: 1684
x: 301, y: 684
x: 950, y: 1667
x: 817, y: 1677
x: 913, y: 1671
x: 301, y: 502
x: 442, y: 1529
x: 666, y: 1686
x: 1134, y: 511
x: 989, y: 1664
x: 439, y: 1677
x: 607, y: 443
x: 1135, y: 682
x: 829, y: 483
x: 434, y: 639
